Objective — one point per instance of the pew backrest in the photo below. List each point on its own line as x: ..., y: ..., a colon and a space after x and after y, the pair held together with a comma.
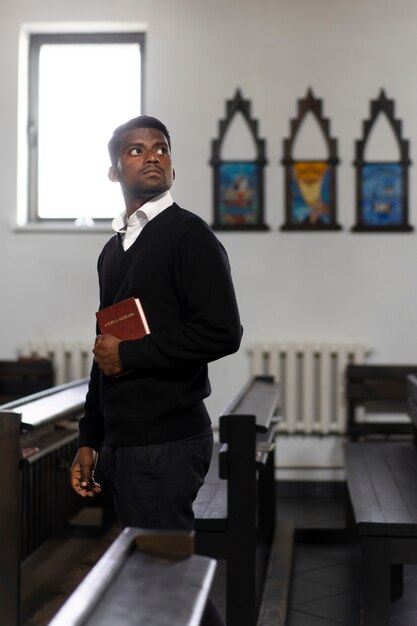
x: 381, y: 391
x: 24, y: 377
x: 137, y: 582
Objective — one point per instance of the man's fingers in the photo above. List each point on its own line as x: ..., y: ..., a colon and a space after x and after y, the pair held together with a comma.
x: 82, y: 472
x: 86, y: 488
x: 82, y: 480
x: 98, y: 340
x: 90, y: 488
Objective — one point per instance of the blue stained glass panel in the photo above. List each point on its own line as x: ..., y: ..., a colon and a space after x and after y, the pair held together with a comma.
x: 239, y: 193
x: 381, y: 201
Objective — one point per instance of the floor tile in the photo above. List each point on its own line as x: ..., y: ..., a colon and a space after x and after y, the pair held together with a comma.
x: 409, y: 619
x: 400, y: 608
x: 306, y: 560
x: 342, y: 608
x: 341, y: 576
x: 349, y: 551
x: 313, y: 512
x: 303, y: 591
x: 299, y: 618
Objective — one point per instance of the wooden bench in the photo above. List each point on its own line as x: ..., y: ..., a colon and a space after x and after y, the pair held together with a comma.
x: 379, y: 390
x: 38, y: 441
x: 24, y: 377
x: 381, y: 479
x: 145, y: 577
x: 235, y: 509
x: 412, y: 403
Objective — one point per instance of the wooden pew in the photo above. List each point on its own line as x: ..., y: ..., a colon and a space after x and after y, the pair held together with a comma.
x: 381, y: 479
x: 235, y: 509
x: 24, y: 377
x: 38, y: 441
x: 9, y: 518
x: 377, y: 389
x: 145, y: 577
x: 412, y: 403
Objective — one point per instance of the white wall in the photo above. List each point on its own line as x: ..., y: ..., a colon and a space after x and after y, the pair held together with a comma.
x: 290, y: 286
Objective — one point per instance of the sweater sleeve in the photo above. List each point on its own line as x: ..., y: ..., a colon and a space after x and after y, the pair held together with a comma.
x: 91, y: 426
x: 212, y: 326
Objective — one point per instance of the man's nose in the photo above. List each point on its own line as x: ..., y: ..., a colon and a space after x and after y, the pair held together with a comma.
x: 151, y: 156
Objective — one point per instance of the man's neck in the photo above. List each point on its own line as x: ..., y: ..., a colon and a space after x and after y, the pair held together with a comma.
x: 133, y: 204
x: 154, y: 205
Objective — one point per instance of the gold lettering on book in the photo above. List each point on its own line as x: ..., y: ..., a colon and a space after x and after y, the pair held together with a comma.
x: 118, y: 319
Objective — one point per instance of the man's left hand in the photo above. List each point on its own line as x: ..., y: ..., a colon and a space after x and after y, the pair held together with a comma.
x: 106, y: 355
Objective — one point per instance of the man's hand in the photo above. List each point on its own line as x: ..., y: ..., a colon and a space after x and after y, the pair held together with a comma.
x: 106, y: 355
x: 82, y: 473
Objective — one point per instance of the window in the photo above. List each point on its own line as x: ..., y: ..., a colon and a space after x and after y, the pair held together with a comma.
x: 81, y: 86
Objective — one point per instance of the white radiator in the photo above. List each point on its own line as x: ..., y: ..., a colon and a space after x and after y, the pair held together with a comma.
x: 71, y: 360
x: 312, y: 378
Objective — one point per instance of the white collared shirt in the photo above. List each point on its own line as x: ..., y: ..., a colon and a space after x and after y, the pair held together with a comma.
x: 130, y: 229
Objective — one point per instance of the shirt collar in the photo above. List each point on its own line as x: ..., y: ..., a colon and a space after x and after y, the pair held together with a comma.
x: 147, y: 212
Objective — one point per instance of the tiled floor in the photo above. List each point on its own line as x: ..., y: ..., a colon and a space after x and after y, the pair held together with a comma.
x: 325, y: 580
x: 326, y: 575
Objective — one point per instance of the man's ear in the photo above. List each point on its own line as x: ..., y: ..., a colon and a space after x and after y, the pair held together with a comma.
x: 173, y: 174
x: 113, y: 174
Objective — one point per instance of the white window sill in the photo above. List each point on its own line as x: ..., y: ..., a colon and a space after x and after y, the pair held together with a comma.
x: 58, y: 227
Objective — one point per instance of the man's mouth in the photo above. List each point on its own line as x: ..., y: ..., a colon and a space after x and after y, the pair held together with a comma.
x: 152, y: 170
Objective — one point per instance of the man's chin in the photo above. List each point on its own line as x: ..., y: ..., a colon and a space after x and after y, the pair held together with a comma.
x: 152, y: 190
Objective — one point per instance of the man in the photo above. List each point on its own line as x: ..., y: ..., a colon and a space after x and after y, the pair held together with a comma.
x: 144, y: 408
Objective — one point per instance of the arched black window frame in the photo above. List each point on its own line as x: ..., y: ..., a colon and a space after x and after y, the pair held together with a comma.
x: 310, y: 104
x: 382, y: 106
x: 236, y: 105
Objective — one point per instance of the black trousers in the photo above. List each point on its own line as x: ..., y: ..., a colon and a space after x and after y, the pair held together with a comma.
x: 155, y: 486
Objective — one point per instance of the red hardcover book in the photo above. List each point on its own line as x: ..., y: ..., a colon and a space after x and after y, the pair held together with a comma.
x: 125, y: 320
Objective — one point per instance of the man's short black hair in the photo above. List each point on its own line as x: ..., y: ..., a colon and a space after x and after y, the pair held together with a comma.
x: 142, y: 121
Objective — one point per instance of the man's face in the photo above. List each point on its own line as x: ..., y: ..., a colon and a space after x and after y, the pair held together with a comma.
x: 144, y: 168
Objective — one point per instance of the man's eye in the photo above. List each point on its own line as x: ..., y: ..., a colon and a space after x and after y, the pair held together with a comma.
x: 135, y: 151
x: 161, y: 151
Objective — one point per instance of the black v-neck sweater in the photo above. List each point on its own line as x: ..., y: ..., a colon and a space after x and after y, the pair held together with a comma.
x: 180, y: 272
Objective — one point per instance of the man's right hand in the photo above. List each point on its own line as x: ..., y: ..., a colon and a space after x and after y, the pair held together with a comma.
x: 82, y: 473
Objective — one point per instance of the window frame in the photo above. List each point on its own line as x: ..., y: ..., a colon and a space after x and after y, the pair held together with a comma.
x: 35, y: 43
